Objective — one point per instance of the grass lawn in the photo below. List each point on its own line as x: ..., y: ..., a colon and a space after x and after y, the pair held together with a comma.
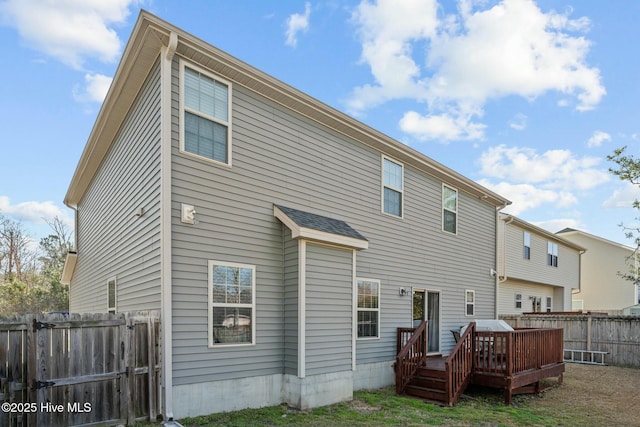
x: 589, y: 396
x: 384, y: 408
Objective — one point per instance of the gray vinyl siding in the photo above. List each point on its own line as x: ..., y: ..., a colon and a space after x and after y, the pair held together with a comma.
x: 290, y: 303
x: 283, y: 158
x: 329, y: 309
x: 112, y: 240
x: 536, y: 269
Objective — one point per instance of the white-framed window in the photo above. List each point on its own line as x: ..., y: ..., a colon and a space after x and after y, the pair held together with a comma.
x: 470, y: 303
x: 368, y: 308
x: 518, y: 300
x: 232, y: 304
x: 526, y: 237
x: 392, y: 187
x: 552, y: 254
x: 112, y: 295
x: 449, y: 209
x: 577, y: 305
x: 205, y: 114
x: 549, y: 305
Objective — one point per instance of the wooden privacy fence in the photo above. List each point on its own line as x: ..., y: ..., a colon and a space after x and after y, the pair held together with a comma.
x: 79, y: 369
x: 619, y: 336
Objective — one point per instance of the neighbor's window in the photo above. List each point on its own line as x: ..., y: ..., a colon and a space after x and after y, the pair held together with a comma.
x: 470, y: 303
x: 548, y: 304
x: 392, y: 187
x: 232, y: 289
x: 206, y: 116
x: 527, y: 245
x: 518, y: 300
x: 449, y: 209
x: 368, y: 308
x: 552, y: 254
x: 111, y: 295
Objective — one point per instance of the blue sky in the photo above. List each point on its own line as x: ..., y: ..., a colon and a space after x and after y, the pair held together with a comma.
x: 525, y: 97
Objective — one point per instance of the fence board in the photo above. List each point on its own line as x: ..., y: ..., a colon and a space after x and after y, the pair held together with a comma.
x: 64, y: 362
x: 619, y: 336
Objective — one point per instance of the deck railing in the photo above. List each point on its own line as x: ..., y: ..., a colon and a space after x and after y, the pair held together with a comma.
x: 412, y: 355
x: 459, y: 365
x: 511, y: 352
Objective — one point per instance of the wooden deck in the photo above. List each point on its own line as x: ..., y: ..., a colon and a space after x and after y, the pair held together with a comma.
x: 514, y: 361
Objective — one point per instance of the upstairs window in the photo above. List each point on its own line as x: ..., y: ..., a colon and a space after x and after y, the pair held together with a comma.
x: 206, y: 116
x: 392, y: 187
x: 552, y: 254
x: 449, y: 209
x: 527, y: 245
x: 368, y: 308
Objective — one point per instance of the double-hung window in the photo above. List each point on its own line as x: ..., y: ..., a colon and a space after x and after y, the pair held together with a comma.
x: 527, y: 245
x: 518, y: 300
x: 206, y: 117
x: 552, y: 254
x: 392, y: 187
x: 449, y: 209
x: 470, y: 303
x: 368, y: 310
x: 232, y: 291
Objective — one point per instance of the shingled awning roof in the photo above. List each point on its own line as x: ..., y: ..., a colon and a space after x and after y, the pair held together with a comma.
x: 311, y: 226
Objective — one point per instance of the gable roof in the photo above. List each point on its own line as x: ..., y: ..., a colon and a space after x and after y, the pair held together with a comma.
x: 151, y: 33
x: 311, y: 226
x: 540, y: 231
x: 571, y: 231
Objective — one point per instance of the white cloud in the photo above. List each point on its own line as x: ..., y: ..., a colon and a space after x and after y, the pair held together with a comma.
x: 512, y: 48
x: 555, y: 169
x: 440, y: 127
x: 624, y: 197
x: 95, y: 89
x: 519, y: 122
x: 555, y: 225
x: 598, y: 138
x: 297, y: 23
x: 34, y: 212
x: 70, y: 30
x: 531, y: 180
x: 527, y: 196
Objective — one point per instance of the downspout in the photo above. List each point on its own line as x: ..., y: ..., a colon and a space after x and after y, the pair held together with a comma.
x: 500, y: 268
x: 166, y: 60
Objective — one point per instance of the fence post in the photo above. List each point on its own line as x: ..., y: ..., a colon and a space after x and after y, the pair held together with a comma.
x: 589, y: 332
x: 32, y: 371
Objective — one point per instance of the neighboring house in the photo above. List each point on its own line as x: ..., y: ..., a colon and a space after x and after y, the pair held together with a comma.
x: 282, y: 241
x: 602, y: 287
x: 537, y: 270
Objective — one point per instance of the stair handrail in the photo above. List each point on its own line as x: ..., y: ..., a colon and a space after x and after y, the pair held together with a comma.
x: 412, y: 355
x: 459, y: 365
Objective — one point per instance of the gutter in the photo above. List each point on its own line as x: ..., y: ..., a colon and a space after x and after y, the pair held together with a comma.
x: 166, y: 59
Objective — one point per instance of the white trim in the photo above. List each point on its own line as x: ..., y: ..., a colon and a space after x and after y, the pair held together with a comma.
x: 187, y: 64
x: 455, y: 212
x: 383, y: 185
x: 473, y: 303
x: 364, y: 279
x: 354, y: 304
x: 112, y: 308
x: 166, y: 270
x: 302, y: 302
x: 211, y: 304
x: 317, y: 235
x: 69, y: 267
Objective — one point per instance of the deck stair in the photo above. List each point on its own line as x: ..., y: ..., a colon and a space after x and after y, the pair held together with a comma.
x: 429, y: 384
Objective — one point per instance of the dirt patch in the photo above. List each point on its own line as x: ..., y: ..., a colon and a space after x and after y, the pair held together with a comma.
x: 598, y: 395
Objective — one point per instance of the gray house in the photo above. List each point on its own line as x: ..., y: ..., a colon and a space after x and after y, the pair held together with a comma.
x: 537, y: 270
x: 282, y: 241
